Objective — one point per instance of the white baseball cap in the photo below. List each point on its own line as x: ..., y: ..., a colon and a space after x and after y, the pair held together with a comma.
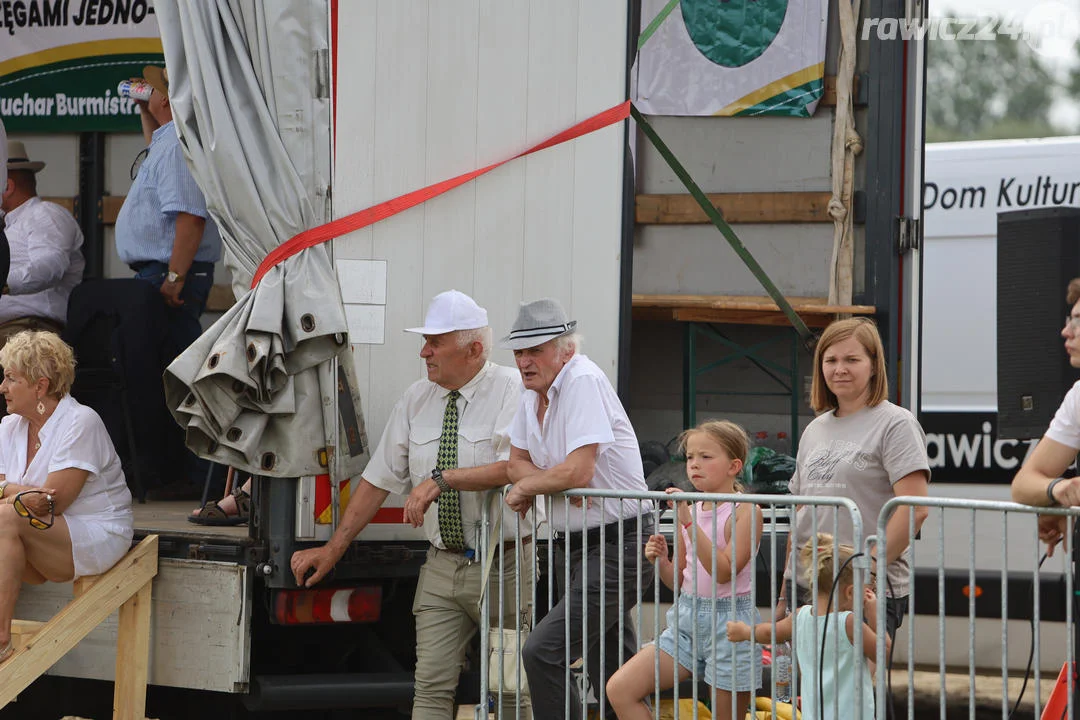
x: 451, y: 311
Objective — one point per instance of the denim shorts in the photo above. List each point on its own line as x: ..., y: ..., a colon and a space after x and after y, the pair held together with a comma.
x: 714, y: 667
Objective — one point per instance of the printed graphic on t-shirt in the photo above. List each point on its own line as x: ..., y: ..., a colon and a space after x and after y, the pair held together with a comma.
x: 823, y: 460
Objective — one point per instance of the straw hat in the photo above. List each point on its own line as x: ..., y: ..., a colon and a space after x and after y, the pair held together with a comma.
x: 158, y: 77
x: 18, y: 159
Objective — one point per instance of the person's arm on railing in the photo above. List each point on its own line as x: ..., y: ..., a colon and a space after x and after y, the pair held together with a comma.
x: 484, y: 477
x: 1045, y: 465
x: 897, y: 536
x: 1039, y: 483
x: 761, y: 633
x: 656, y: 552
x: 572, y: 473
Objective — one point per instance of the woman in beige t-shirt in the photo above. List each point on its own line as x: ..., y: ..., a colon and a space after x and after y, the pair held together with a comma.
x: 861, y: 447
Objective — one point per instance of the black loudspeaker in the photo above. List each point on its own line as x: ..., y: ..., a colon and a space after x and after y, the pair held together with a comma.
x: 1038, y: 253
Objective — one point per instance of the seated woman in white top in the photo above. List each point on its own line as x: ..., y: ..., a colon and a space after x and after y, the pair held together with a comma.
x: 65, y: 509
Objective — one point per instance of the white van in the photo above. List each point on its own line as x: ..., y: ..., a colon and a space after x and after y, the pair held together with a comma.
x: 966, y: 185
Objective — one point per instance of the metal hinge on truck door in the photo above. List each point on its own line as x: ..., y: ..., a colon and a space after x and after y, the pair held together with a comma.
x: 907, y: 234
x: 322, y: 74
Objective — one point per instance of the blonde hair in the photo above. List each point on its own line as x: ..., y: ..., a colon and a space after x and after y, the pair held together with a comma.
x: 728, y: 435
x: 40, y: 354
x: 865, y: 331
x: 831, y: 557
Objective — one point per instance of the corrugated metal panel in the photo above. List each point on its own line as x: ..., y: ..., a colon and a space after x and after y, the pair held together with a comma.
x: 427, y: 91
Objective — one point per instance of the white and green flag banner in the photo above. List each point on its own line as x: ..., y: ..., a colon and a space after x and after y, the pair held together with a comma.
x: 731, y: 57
x: 61, y: 60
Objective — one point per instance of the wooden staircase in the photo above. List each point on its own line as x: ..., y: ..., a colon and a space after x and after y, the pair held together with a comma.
x: 125, y: 587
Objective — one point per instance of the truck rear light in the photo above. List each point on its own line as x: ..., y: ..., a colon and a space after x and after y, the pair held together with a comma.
x: 302, y: 607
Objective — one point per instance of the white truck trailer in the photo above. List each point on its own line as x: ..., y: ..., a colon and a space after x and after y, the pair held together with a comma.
x: 373, y: 100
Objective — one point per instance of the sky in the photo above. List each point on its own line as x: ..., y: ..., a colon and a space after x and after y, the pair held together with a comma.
x: 1057, y: 22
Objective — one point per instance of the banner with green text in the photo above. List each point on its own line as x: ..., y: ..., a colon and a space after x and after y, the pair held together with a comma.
x: 61, y: 60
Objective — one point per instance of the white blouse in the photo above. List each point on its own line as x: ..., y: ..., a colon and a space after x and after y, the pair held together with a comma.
x: 73, y: 437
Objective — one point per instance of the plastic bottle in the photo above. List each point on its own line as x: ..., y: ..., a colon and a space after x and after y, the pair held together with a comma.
x: 781, y: 663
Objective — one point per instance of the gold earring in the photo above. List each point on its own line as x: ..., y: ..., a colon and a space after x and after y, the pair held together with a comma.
x: 40, y: 408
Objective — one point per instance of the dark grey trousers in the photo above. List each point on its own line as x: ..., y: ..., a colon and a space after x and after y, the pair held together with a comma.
x: 546, y: 654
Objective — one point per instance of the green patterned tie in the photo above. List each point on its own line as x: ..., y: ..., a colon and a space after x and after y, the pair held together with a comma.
x: 450, y: 529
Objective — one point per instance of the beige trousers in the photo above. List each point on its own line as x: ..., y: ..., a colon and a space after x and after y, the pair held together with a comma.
x: 447, y: 611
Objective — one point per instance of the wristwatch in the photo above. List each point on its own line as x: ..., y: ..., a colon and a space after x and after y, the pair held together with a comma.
x: 174, y: 276
x: 1049, y: 492
x: 436, y: 475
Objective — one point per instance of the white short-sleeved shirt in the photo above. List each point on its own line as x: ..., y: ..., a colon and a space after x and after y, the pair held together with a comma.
x: 75, y: 437
x: 1065, y: 427
x: 583, y: 410
x: 409, y: 446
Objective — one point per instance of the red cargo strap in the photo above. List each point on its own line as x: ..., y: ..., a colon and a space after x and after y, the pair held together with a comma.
x: 372, y: 215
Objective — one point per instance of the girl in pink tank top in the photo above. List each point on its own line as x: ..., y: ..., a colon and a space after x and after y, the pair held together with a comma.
x: 715, y: 454
x: 696, y: 578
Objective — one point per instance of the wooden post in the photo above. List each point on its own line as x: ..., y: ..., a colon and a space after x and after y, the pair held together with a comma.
x: 132, y: 657
x: 126, y: 584
x: 82, y: 584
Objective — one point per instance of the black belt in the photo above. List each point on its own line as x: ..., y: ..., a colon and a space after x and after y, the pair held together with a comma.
x: 195, y: 266
x: 607, y: 533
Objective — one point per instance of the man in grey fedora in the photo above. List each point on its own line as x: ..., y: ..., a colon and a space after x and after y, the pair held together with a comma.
x: 571, y: 431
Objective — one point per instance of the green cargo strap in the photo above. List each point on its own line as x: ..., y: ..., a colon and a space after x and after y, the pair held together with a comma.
x: 656, y: 23
x: 721, y: 225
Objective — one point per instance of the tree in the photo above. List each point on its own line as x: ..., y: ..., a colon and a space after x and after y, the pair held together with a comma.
x: 987, y: 89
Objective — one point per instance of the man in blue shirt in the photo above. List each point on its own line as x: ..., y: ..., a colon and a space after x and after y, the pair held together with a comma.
x: 164, y: 232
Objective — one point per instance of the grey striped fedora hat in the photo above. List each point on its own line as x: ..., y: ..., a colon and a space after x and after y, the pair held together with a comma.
x: 537, y: 322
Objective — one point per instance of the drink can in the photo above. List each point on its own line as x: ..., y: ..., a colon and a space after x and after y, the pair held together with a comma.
x: 136, y: 89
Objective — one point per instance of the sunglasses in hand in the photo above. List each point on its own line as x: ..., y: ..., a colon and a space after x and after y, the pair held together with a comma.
x: 36, y: 520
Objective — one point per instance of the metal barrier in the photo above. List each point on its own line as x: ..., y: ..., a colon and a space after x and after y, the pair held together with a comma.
x: 631, y: 579
x: 1012, y: 526
x: 950, y: 560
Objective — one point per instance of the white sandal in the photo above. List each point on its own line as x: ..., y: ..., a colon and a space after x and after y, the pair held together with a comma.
x: 6, y: 651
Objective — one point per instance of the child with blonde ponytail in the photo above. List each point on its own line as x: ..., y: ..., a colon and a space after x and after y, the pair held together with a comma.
x: 714, y: 550
x: 834, y: 653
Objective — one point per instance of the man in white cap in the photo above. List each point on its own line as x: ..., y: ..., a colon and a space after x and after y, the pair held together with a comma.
x: 445, y: 445
x: 46, y: 251
x: 570, y: 431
